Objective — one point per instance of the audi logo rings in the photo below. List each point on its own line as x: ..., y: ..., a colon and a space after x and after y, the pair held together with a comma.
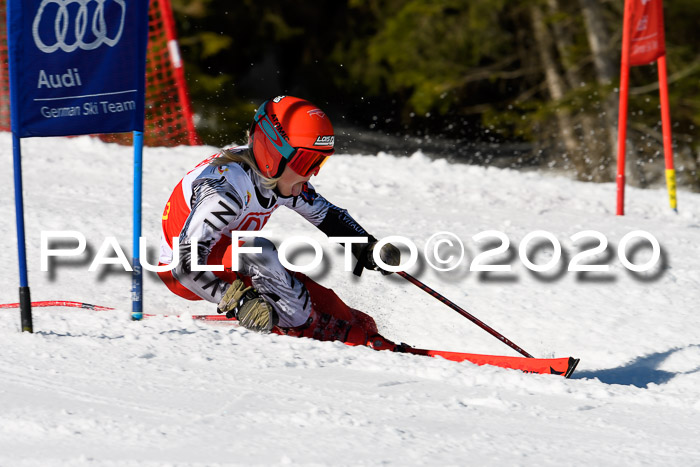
x: 77, y: 14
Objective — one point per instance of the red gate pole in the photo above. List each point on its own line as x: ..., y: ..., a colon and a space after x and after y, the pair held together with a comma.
x: 666, y: 128
x: 176, y: 59
x: 622, y: 114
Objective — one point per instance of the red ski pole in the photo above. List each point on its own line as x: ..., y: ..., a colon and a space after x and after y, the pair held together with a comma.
x: 464, y: 313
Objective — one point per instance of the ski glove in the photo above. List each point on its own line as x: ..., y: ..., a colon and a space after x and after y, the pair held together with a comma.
x: 246, y: 305
x: 389, y: 254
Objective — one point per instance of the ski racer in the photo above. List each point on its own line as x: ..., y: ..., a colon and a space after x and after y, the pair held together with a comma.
x: 239, y: 189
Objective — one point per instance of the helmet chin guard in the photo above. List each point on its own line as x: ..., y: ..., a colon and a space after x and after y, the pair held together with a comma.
x: 288, y: 130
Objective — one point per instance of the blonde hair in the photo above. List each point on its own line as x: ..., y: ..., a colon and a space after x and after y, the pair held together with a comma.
x: 228, y: 156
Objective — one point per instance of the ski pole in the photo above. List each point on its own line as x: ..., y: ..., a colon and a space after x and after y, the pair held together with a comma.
x: 464, y: 313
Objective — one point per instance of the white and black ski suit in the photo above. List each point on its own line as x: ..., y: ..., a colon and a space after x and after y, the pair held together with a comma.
x: 212, y: 201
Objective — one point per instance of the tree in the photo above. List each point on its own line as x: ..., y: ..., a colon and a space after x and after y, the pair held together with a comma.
x: 541, y: 72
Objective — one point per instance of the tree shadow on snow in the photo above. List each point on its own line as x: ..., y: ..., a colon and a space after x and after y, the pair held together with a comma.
x: 640, y: 372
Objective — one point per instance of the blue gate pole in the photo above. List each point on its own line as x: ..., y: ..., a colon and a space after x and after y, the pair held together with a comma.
x: 137, y: 275
x: 25, y: 302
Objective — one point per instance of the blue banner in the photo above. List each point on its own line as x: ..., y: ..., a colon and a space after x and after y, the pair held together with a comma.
x: 77, y: 66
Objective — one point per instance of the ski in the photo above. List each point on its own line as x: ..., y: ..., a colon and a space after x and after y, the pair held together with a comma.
x: 59, y: 303
x: 564, y: 366
x: 553, y: 366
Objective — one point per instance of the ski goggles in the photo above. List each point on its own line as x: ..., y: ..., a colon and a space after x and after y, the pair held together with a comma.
x: 307, y: 162
x: 302, y: 161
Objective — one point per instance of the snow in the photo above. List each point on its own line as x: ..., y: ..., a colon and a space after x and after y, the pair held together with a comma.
x: 95, y: 388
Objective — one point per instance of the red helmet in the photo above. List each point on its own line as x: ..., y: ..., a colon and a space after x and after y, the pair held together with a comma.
x: 290, y: 131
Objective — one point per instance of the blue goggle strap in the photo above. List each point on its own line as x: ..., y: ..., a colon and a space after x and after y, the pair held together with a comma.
x: 285, y: 149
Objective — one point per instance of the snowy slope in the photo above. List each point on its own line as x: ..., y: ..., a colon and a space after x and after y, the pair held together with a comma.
x: 94, y: 388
